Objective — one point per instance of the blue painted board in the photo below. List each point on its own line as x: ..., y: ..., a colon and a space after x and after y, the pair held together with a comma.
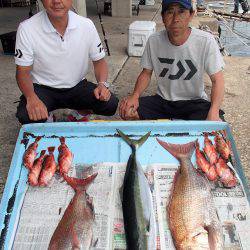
x: 98, y: 142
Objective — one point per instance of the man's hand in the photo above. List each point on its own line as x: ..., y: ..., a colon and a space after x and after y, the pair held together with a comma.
x: 127, y: 104
x: 102, y: 93
x: 36, y: 108
x: 213, y: 115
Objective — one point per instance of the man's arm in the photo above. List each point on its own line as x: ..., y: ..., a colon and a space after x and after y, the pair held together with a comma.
x: 217, y: 94
x: 35, y: 107
x: 101, y: 74
x: 132, y: 101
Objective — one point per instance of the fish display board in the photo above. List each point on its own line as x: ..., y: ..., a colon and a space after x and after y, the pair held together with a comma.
x: 29, y: 215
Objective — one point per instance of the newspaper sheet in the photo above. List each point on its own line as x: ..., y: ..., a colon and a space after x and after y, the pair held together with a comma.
x: 43, y: 208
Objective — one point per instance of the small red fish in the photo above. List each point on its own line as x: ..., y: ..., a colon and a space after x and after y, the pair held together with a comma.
x: 226, y: 175
x: 201, y: 160
x: 30, y: 153
x: 222, y: 146
x: 49, y: 168
x: 210, y: 151
x: 204, y: 165
x: 65, y: 157
x: 211, y: 173
x: 36, y: 169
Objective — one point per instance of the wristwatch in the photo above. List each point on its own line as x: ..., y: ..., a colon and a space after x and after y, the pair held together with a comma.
x: 106, y: 84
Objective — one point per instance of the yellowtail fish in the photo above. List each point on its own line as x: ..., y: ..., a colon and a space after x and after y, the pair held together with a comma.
x: 137, y: 203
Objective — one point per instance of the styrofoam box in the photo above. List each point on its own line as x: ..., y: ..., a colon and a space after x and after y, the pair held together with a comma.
x: 139, y: 32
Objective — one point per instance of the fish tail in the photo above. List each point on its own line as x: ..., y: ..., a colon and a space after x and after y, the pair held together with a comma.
x: 42, y: 153
x: 131, y: 142
x: 51, y: 150
x: 79, y: 184
x: 214, y: 133
x: 179, y: 150
x: 38, y: 138
x: 62, y: 140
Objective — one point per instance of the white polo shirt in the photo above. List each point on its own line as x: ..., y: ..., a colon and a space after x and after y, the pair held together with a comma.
x: 58, y: 62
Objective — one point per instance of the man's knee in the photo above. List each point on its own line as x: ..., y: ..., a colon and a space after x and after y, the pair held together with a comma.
x: 23, y: 117
x: 110, y: 107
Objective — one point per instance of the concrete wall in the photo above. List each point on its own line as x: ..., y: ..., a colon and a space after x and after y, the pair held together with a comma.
x: 122, y: 8
x: 80, y: 7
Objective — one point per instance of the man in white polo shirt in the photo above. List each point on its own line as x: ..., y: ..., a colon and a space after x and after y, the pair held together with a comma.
x: 53, y: 49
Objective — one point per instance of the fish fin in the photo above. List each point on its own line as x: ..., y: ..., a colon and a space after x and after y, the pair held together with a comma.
x: 179, y: 150
x: 51, y: 150
x: 90, y: 202
x: 76, y: 183
x: 215, y: 237
x: 62, y: 140
x: 75, y: 242
x: 131, y: 142
x: 177, y: 173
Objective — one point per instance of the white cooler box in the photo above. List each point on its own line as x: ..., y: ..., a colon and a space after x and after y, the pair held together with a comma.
x: 149, y: 2
x: 138, y: 34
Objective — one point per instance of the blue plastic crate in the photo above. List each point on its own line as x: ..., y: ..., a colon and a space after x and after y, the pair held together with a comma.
x: 98, y: 142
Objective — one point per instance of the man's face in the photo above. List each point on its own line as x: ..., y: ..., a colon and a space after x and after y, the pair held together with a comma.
x: 176, y: 19
x: 57, y: 8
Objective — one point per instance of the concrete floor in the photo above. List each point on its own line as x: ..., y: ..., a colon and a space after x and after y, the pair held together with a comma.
x: 123, y: 71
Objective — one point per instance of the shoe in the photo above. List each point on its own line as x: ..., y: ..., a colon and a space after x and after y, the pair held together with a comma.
x: 245, y: 7
x: 234, y: 11
x: 76, y: 117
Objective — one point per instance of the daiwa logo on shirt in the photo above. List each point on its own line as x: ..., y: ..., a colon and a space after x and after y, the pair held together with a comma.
x: 18, y: 53
x: 190, y: 68
x: 100, y: 47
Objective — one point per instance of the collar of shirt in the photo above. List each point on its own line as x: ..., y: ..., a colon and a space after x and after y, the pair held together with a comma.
x: 49, y: 28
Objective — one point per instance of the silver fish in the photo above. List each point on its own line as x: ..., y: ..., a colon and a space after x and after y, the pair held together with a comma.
x: 137, y: 204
